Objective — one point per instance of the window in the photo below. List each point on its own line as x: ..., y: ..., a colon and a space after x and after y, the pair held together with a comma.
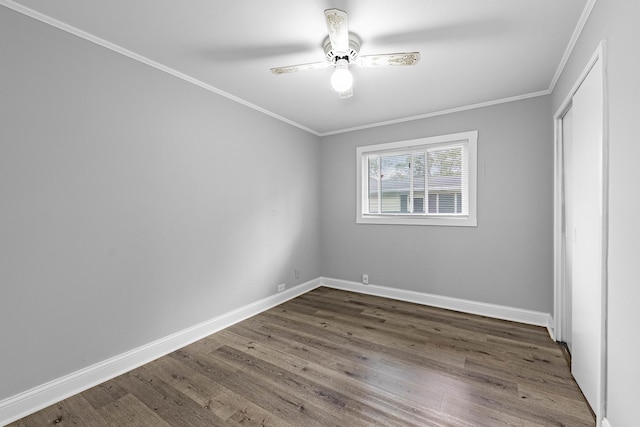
x: 428, y: 181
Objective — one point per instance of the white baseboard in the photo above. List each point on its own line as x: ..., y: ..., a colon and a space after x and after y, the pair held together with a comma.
x: 23, y: 404
x: 605, y: 423
x: 473, y: 307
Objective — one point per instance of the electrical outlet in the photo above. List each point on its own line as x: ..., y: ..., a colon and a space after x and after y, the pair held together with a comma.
x: 365, y: 279
x: 281, y: 287
x: 296, y: 273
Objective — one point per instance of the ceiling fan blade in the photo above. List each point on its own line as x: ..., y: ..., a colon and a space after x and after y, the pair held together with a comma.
x: 300, y: 67
x: 338, y: 29
x: 389, y: 59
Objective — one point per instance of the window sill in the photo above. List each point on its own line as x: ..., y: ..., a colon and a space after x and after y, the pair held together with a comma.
x: 447, y: 221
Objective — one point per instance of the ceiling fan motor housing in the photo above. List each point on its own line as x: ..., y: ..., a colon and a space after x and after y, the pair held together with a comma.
x: 332, y: 55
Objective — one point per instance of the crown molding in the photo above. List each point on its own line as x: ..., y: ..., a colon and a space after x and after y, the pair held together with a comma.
x: 586, y: 12
x: 439, y: 113
x: 143, y: 59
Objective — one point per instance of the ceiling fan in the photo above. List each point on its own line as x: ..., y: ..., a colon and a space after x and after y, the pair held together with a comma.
x: 341, y: 50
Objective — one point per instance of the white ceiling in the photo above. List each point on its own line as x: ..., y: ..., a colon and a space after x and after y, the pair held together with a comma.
x: 473, y: 51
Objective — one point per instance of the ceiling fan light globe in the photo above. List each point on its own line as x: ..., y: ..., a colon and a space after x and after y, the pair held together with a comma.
x: 341, y: 80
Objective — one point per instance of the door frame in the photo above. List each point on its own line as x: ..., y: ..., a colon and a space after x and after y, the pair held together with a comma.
x: 559, y: 268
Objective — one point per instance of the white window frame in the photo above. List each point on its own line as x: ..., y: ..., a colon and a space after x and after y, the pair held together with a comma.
x: 469, y: 139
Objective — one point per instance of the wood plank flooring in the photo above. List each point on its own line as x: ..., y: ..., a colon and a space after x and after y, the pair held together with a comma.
x: 335, y: 358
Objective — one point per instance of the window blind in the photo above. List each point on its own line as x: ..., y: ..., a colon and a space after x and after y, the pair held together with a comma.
x: 422, y: 181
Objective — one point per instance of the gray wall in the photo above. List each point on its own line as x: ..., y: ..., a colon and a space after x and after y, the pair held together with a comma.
x: 507, y: 259
x: 616, y: 21
x: 133, y: 204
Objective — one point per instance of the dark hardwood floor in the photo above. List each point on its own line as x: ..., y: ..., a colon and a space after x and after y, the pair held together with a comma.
x: 335, y: 358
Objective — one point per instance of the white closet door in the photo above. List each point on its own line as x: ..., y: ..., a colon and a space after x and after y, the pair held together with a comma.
x: 587, y: 263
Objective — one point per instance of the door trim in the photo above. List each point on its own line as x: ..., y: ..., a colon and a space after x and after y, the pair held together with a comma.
x: 560, y: 300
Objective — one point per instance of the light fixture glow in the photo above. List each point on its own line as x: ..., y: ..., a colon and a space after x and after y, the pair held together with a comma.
x: 341, y: 79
